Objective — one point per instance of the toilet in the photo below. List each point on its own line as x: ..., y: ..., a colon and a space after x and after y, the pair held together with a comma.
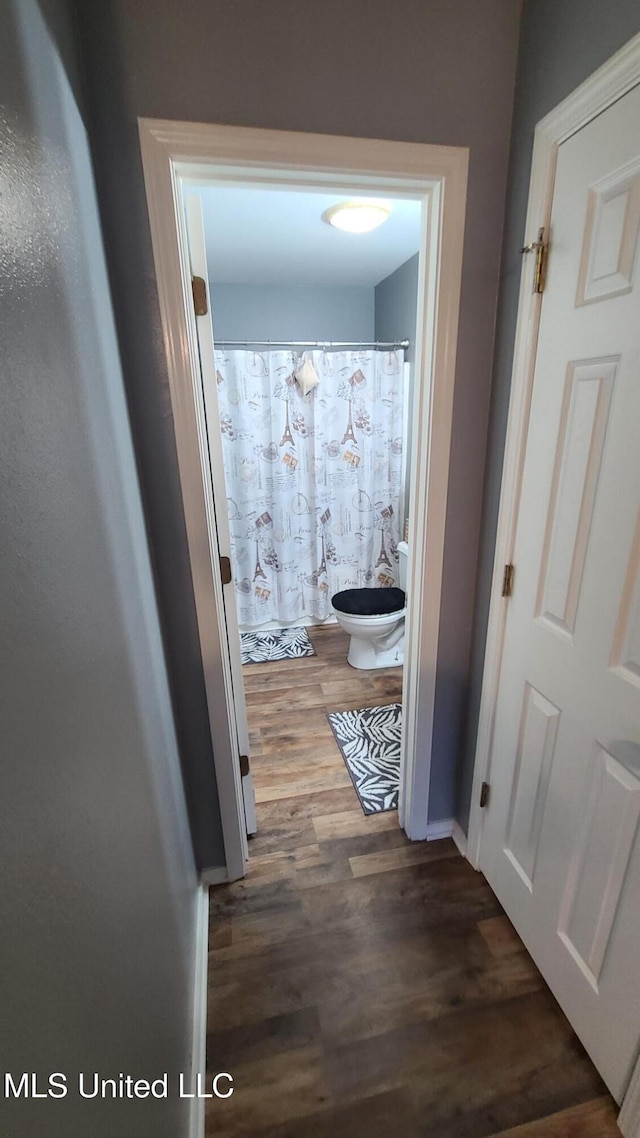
x: 374, y: 619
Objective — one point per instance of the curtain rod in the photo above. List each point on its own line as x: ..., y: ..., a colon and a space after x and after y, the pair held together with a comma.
x: 313, y: 343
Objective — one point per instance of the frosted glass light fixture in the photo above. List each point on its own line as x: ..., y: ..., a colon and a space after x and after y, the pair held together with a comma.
x: 357, y: 217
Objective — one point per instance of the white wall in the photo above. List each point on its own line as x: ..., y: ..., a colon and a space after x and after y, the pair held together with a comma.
x: 97, y: 882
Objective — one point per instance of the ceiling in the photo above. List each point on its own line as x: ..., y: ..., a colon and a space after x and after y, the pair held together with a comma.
x: 265, y: 236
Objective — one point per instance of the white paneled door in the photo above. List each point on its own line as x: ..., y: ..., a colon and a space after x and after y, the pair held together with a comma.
x: 561, y: 841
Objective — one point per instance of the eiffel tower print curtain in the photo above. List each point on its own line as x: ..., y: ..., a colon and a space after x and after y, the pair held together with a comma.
x: 313, y: 481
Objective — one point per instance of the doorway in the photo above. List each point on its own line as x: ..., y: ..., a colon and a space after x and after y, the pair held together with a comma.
x: 177, y: 155
x: 308, y: 390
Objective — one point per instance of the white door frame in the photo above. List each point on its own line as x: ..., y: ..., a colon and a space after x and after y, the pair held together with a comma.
x: 617, y: 76
x: 174, y: 154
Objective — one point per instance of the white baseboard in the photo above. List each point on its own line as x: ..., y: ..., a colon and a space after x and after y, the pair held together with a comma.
x: 216, y: 876
x: 460, y: 838
x: 441, y: 829
x: 199, y: 1040
x: 448, y: 828
x: 303, y: 622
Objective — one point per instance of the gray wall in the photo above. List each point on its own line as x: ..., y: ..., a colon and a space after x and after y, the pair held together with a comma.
x: 97, y: 881
x: 439, y: 71
x: 291, y: 312
x: 561, y: 45
x: 396, y: 306
x: 396, y: 311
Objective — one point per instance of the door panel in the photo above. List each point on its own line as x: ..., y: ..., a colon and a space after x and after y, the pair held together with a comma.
x: 580, y: 441
x: 611, y: 236
x: 536, y: 747
x: 235, y: 692
x: 601, y: 855
x: 561, y: 842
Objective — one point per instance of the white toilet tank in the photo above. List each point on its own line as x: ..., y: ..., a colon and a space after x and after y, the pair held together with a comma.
x: 403, y: 556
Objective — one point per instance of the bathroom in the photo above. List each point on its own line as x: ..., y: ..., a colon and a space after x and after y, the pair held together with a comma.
x: 314, y: 326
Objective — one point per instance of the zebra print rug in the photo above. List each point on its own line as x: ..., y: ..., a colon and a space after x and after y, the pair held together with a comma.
x: 275, y: 644
x: 369, y: 740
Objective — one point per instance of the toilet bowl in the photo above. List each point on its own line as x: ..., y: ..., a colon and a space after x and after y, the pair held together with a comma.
x: 374, y: 619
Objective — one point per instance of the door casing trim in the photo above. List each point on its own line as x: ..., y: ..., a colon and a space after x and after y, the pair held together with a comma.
x: 174, y: 153
x: 608, y: 84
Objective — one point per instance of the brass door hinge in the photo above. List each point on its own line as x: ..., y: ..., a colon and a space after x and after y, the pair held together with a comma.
x: 199, y: 290
x: 541, y: 250
x: 484, y: 794
x: 225, y: 570
x: 507, y: 580
x: 244, y: 765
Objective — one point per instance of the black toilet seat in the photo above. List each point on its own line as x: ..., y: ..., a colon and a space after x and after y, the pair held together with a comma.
x: 369, y: 602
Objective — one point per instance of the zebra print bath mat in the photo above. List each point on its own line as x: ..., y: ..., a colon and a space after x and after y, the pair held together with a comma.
x: 276, y: 644
x: 369, y: 740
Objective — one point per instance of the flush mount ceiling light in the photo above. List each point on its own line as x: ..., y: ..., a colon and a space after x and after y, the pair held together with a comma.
x: 357, y: 217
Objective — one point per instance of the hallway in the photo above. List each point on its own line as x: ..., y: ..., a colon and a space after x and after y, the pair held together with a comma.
x: 361, y: 984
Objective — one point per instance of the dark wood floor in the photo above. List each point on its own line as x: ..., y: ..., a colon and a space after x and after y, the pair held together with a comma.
x: 363, y: 986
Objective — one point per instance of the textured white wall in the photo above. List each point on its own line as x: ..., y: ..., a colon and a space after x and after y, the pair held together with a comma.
x: 97, y: 883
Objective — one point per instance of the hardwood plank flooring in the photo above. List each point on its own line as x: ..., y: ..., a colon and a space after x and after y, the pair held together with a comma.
x: 361, y: 985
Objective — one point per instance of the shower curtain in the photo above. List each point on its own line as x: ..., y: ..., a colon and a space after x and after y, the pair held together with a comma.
x: 313, y: 481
